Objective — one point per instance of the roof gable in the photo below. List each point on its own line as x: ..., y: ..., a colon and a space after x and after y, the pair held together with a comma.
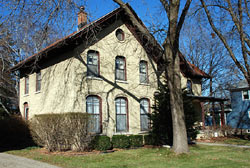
x: 78, y: 37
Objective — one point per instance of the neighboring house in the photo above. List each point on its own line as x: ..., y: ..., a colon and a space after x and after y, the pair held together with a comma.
x: 240, y: 103
x: 106, y: 69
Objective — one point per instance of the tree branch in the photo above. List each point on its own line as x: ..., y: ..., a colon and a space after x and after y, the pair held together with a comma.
x: 182, y: 18
x: 222, y: 38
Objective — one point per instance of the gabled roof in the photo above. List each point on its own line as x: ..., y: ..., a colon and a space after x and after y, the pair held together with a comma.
x: 155, y: 50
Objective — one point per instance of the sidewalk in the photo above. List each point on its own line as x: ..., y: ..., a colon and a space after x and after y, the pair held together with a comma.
x: 11, y: 161
x: 216, y: 144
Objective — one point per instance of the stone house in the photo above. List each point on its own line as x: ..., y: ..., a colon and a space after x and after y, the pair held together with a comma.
x: 106, y: 69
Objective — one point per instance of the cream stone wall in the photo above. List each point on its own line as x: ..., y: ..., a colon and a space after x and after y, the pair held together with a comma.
x: 196, y: 85
x: 65, y: 85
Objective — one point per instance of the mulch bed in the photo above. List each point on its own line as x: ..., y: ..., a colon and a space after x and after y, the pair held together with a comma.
x: 94, y: 152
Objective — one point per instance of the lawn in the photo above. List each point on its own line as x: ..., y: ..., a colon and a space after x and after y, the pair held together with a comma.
x: 237, y: 141
x: 199, y: 156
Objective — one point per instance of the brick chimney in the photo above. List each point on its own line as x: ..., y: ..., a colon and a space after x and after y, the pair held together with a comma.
x: 82, y: 18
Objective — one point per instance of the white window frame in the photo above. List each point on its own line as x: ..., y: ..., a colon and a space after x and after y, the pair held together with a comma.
x: 242, y: 94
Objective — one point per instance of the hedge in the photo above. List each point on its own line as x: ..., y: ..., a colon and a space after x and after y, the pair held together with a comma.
x: 120, y: 141
x: 136, y: 140
x: 102, y: 143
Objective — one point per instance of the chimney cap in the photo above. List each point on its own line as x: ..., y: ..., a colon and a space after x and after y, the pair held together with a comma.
x: 82, y: 8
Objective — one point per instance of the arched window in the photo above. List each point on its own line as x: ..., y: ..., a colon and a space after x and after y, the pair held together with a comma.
x: 144, y: 110
x: 26, y: 111
x: 93, y: 63
x: 119, y: 34
x: 189, y: 86
x: 120, y: 68
x: 121, y: 114
x: 93, y: 105
x: 143, y: 68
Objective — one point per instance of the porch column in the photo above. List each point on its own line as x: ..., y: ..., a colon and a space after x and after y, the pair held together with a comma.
x: 202, y: 115
x: 222, y: 118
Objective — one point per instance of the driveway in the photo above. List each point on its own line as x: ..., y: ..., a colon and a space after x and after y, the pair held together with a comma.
x: 11, y: 161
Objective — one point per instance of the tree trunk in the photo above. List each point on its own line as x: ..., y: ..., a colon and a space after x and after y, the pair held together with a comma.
x: 180, y: 143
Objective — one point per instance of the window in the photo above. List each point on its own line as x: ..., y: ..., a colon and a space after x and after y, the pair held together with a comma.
x: 26, y: 111
x: 38, y: 81
x: 144, y: 110
x: 143, y: 68
x: 189, y: 86
x: 93, y: 108
x: 121, y: 115
x: 119, y: 34
x: 120, y: 68
x: 93, y: 63
x: 245, y: 95
x: 26, y: 88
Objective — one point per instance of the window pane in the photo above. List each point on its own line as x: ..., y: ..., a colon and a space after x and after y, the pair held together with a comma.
x: 92, y: 63
x: 143, y: 78
x: 144, y: 106
x: 143, y: 67
x: 121, y: 114
x: 94, y: 123
x: 120, y: 68
x: 144, y: 110
x: 92, y: 70
x: 144, y: 122
x: 120, y: 74
x: 93, y: 108
x: 121, y: 122
x: 26, y: 85
x: 119, y: 34
x: 246, y: 94
x: 143, y: 72
x: 38, y: 81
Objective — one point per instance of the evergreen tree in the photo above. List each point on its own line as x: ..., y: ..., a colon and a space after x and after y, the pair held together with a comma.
x: 162, y: 130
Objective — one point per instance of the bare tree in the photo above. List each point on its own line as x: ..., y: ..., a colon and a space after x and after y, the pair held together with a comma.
x: 26, y: 27
x: 8, y: 96
x: 172, y: 66
x: 235, y: 35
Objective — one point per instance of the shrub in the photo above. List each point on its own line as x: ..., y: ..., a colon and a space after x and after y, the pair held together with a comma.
x: 59, y: 132
x: 120, y: 141
x: 14, y: 132
x: 136, y: 140
x: 102, y: 143
x: 150, y: 140
x: 162, y: 131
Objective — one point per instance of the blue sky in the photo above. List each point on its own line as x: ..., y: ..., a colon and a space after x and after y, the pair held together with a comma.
x: 143, y: 8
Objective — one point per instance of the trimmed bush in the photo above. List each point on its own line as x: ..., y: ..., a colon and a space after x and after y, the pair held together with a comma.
x: 60, y: 132
x: 120, y: 141
x: 102, y: 143
x: 136, y: 140
x: 149, y: 140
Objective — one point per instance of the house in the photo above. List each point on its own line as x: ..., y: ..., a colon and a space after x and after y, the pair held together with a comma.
x: 239, y: 117
x: 106, y: 69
